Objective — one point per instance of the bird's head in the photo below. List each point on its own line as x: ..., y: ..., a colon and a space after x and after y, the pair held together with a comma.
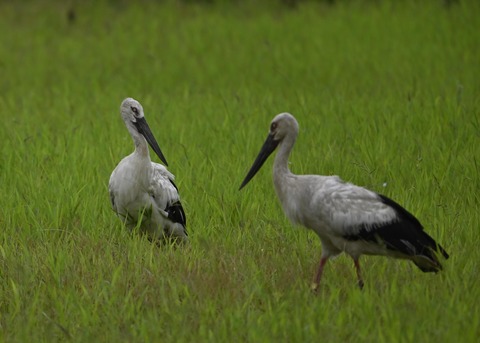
x: 283, y: 126
x: 133, y: 116
x: 131, y: 110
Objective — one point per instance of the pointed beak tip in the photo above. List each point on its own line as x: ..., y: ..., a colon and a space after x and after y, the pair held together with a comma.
x: 162, y: 158
x: 244, y: 183
x: 158, y: 152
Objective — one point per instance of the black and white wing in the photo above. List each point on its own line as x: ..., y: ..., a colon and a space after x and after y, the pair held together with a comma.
x: 356, y: 213
x: 167, y: 198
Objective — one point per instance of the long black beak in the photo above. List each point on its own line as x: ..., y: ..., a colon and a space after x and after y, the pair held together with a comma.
x: 267, y: 148
x: 144, y: 129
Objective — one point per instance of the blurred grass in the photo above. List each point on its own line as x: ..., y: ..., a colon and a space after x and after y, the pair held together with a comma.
x: 386, y: 94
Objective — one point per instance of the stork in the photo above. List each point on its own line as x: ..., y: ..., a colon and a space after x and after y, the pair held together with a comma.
x: 347, y: 218
x: 142, y: 192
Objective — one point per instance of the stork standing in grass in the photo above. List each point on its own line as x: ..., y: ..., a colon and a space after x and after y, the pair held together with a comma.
x: 143, y: 192
x: 347, y: 218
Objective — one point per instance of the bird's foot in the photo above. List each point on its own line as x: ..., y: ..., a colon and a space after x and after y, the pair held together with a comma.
x: 360, y: 284
x: 314, y: 287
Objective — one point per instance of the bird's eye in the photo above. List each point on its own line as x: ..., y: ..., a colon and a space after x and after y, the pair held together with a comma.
x: 273, y: 126
x: 134, y: 110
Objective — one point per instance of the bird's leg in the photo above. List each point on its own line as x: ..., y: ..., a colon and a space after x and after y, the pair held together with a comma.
x: 318, y: 276
x: 359, y: 273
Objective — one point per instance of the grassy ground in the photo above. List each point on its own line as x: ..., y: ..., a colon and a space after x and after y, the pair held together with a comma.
x: 387, y: 96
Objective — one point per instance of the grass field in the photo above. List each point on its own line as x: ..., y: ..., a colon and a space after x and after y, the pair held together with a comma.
x: 387, y: 95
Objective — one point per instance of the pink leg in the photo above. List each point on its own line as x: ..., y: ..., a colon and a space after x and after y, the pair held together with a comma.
x: 359, y: 273
x: 318, y: 276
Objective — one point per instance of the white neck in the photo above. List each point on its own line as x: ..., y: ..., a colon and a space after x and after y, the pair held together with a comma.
x: 280, y: 165
x: 141, y: 146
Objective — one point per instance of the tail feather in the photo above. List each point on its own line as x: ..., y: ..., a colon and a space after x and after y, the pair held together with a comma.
x: 427, y: 261
x: 405, y: 235
x: 442, y: 251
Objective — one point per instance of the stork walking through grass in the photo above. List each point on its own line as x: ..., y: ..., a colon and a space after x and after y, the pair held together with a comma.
x: 347, y: 218
x: 143, y: 193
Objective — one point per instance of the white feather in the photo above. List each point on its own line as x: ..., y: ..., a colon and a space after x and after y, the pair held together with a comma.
x: 141, y: 189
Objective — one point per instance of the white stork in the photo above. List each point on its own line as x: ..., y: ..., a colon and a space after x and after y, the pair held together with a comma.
x: 143, y: 192
x: 347, y: 218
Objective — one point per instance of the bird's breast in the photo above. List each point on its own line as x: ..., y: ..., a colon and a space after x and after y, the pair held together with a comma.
x: 131, y: 180
x: 291, y: 204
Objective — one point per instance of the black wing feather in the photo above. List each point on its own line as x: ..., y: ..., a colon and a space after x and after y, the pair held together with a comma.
x: 429, y: 241
x: 112, y: 199
x: 173, y: 183
x: 405, y: 235
x: 175, y: 211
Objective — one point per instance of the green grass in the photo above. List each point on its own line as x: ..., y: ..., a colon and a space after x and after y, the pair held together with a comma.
x: 385, y: 93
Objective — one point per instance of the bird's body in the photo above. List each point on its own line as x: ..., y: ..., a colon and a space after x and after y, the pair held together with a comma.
x: 142, y: 192
x: 347, y: 218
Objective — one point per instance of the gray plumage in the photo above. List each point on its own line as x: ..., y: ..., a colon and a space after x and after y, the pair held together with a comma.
x: 347, y: 218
